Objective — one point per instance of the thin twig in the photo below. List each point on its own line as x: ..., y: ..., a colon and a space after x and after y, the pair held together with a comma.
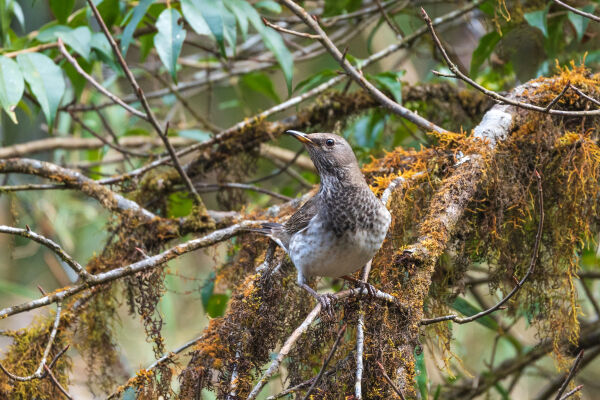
x: 155, y: 261
x: 577, y: 11
x: 407, y: 41
x: 209, y: 187
x: 114, y: 146
x: 356, y: 75
x: 532, y: 263
x: 326, y: 362
x: 291, y: 32
x: 140, y: 94
x: 360, y: 345
x: 558, y: 97
x: 491, y: 93
x: 390, y: 382
x: 572, y: 392
x: 36, y: 237
x: 579, y: 92
x: 97, y: 85
x: 303, y: 327
x: 40, y: 372
x: 390, y: 23
x: 570, y: 376
x: 57, y: 383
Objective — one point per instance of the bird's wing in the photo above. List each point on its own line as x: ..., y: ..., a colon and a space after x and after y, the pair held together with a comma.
x: 300, y: 219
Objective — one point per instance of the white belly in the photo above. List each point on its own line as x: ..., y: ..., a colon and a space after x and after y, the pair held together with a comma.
x: 316, y: 251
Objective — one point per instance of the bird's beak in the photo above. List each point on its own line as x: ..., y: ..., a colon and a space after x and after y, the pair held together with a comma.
x: 303, y: 137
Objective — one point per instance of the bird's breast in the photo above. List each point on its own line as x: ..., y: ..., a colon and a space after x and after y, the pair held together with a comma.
x: 320, y: 250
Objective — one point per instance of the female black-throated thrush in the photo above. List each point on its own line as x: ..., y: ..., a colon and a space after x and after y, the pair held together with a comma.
x: 338, y: 230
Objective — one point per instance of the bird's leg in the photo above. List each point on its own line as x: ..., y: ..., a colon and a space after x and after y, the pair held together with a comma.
x: 360, y: 284
x: 325, y: 299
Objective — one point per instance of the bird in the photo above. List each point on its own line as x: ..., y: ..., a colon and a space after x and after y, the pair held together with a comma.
x: 338, y: 230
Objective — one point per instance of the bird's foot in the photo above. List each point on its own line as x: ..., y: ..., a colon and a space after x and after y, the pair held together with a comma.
x: 370, y: 289
x: 326, y: 300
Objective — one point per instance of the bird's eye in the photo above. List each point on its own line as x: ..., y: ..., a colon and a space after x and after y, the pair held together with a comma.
x: 329, y: 142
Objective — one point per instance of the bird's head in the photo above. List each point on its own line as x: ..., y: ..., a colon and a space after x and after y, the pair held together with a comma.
x: 332, y: 155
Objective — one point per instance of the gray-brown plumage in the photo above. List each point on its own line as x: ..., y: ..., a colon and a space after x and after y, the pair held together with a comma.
x: 340, y: 229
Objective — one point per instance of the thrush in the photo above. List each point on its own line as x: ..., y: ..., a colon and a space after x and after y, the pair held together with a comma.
x: 339, y: 229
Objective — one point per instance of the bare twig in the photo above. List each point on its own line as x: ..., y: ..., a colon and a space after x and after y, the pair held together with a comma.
x: 579, y: 92
x: 140, y: 94
x: 36, y: 237
x: 572, y: 392
x: 577, y: 11
x: 114, y: 146
x: 360, y: 344
x: 356, y: 75
x: 491, y: 93
x: 390, y: 23
x: 72, y: 179
x: 532, y: 263
x: 209, y: 187
x: 326, y: 362
x: 57, y: 383
x: 303, y: 327
x: 558, y: 97
x: 389, y: 381
x: 570, y: 376
x: 143, y: 265
x: 97, y: 85
x: 291, y: 32
x: 40, y: 372
x: 407, y: 41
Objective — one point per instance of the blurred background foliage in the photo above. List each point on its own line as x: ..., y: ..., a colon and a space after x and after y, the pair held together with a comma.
x: 227, y: 65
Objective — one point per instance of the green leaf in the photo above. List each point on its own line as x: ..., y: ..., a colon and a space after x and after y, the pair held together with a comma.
x: 484, y: 49
x: 146, y: 45
x: 240, y: 15
x: 17, y: 12
x: 537, y: 19
x: 49, y: 33
x: 421, y: 373
x: 195, y: 134
x: 79, y: 39
x: 269, y: 5
x: 217, y: 305
x: 314, y: 80
x: 11, y: 86
x: 62, y: 9
x: 271, y: 39
x: 260, y: 83
x: 109, y: 10
x: 464, y: 307
x: 138, y: 13
x: 211, y: 12
x: 45, y: 80
x: 580, y: 22
x: 390, y: 81
x: 194, y: 17
x: 169, y: 39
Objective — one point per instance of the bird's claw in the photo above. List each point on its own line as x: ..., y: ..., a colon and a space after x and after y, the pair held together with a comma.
x: 368, y: 287
x: 326, y: 301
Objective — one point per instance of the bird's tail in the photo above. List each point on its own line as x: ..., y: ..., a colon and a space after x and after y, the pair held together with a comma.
x: 267, y: 228
x: 272, y: 230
